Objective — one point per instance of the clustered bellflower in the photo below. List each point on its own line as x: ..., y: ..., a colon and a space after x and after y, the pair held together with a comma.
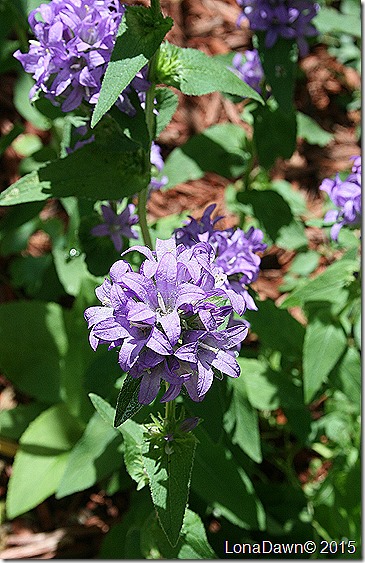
x: 73, y: 45
x: 290, y: 19
x: 248, y: 68
x: 117, y: 225
x: 236, y: 261
x: 346, y: 196
x: 168, y: 320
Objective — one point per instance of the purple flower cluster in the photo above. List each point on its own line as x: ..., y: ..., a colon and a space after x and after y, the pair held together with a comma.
x: 248, y: 68
x: 74, y: 42
x: 168, y: 320
x: 290, y: 19
x: 236, y: 262
x: 117, y: 225
x: 346, y: 196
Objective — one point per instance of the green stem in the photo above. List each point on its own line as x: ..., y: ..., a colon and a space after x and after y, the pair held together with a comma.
x: 170, y: 408
x: 142, y: 214
x: 151, y: 127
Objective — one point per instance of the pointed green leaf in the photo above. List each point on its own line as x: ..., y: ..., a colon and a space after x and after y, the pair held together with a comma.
x: 309, y: 130
x: 13, y: 422
x: 43, y: 454
x: 275, y: 133
x: 326, y: 286
x: 195, y: 73
x: 139, y: 36
x: 105, y: 410
x: 279, y: 63
x: 32, y: 343
x: 225, y: 485
x: 193, y: 543
x: 111, y: 167
x: 133, y: 440
x: 94, y: 456
x: 167, y: 102
x: 241, y: 421
x: 169, y: 475
x: 127, y: 402
x: 324, y: 344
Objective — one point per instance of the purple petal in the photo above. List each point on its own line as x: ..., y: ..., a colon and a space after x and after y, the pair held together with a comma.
x: 150, y: 386
x: 171, y: 325
x: 159, y: 343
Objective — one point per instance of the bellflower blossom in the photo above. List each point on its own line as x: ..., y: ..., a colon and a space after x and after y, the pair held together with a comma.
x: 116, y: 226
x: 74, y: 42
x: 290, y: 19
x: 167, y: 322
x: 346, y: 196
x: 236, y: 262
x: 248, y: 68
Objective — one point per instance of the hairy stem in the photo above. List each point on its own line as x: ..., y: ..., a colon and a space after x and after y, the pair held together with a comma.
x: 150, y: 121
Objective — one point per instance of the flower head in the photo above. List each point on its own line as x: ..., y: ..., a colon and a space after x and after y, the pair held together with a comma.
x: 290, y: 19
x: 235, y: 262
x: 346, y: 196
x: 248, y: 68
x: 74, y: 42
x: 116, y: 225
x: 155, y: 314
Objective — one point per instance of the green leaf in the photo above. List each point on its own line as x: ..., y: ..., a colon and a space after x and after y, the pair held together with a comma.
x: 310, y: 131
x: 305, y: 263
x: 193, y: 543
x: 79, y: 354
x: 21, y: 101
x: 93, y: 457
x: 111, y: 167
x: 105, y: 410
x: 275, y: 133
x: 349, y: 374
x: 123, y: 539
x: 224, y: 485
x: 325, y: 287
x: 127, y: 402
x: 139, y: 36
x: 169, y: 479
x: 292, y: 236
x: 133, y: 442
x: 241, y: 421
x: 44, y: 452
x: 324, y: 344
x: 179, y: 168
x: 261, y: 391
x: 133, y: 126
x: 71, y: 270
x: 195, y: 73
x: 167, y: 102
x: 13, y: 422
x: 133, y: 438
x: 329, y: 20
x: 32, y: 361
x: 279, y: 63
x: 295, y: 199
x: 220, y: 149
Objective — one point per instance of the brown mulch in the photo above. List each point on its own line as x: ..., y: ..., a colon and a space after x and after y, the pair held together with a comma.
x: 74, y: 528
